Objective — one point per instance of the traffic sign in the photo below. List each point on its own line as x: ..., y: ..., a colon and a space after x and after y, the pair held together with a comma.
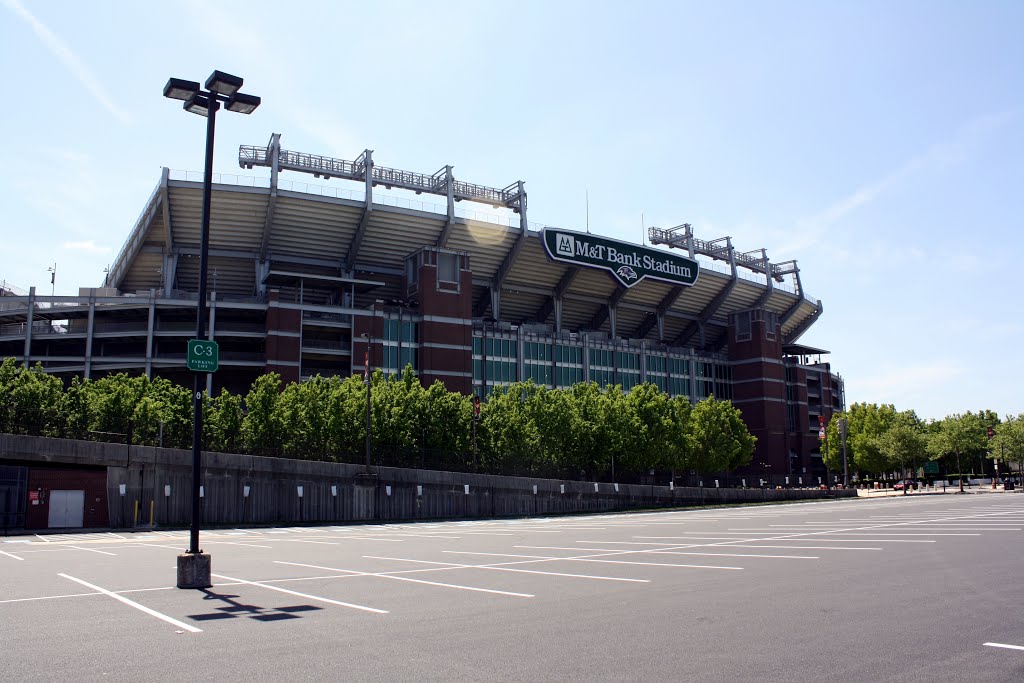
x: 203, y: 355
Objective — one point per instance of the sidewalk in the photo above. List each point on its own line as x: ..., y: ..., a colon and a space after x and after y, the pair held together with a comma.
x: 937, y: 491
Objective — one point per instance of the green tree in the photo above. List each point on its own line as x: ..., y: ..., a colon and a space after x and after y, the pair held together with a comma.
x: 33, y: 400
x: 867, y: 424
x: 904, y: 445
x: 262, y: 429
x: 720, y: 439
x: 959, y: 436
x: 224, y: 428
x: 509, y: 439
x: 1008, y: 444
x: 588, y: 448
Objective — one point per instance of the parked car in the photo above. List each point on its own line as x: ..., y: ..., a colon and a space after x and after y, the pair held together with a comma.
x: 901, y: 485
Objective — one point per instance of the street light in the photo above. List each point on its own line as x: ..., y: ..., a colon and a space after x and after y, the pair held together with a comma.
x: 194, y: 566
x: 842, y: 437
x: 369, y: 382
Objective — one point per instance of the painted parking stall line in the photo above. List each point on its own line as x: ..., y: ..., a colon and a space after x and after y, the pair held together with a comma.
x: 12, y: 556
x: 502, y: 566
x: 410, y: 580
x: 590, y: 558
x: 1005, y: 646
x: 319, y: 598
x: 92, y: 550
x: 132, y: 603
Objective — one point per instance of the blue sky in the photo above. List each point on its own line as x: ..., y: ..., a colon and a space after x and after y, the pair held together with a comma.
x: 880, y: 144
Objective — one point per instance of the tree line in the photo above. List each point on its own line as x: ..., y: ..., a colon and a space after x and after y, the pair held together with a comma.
x: 881, y: 440
x: 522, y: 429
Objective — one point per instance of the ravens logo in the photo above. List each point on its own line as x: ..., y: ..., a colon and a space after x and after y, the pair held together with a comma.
x: 626, y: 273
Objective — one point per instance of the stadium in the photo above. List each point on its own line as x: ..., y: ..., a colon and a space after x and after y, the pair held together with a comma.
x: 380, y: 266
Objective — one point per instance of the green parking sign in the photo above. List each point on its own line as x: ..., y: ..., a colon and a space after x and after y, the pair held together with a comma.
x: 203, y: 355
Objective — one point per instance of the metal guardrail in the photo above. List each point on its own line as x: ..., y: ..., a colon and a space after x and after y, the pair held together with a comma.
x: 42, y: 327
x: 6, y: 288
x: 320, y: 345
x: 326, y: 317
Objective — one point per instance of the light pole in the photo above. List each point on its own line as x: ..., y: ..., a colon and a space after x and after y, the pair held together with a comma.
x: 194, y: 566
x: 367, y: 379
x: 842, y: 437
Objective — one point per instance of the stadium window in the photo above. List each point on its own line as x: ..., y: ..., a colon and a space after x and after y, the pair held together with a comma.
x: 743, y: 326
x: 411, y: 272
x: 447, y: 267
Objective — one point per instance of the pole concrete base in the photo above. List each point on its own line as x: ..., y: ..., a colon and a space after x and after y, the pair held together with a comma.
x: 194, y: 570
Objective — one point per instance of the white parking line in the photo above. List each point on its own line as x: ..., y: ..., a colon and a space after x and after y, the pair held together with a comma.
x: 591, y: 559
x: 410, y: 580
x: 816, y: 539
x: 501, y: 567
x: 48, y: 597
x: 244, y: 545
x: 304, y: 595
x: 886, y: 532
x: 805, y: 547
x: 92, y: 550
x: 1004, y: 645
x: 303, y: 540
x: 132, y: 603
x: 14, y: 556
x: 672, y: 552
x: 155, y: 545
x: 355, y: 537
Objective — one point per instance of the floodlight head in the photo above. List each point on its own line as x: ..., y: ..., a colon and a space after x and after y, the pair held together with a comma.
x: 198, y: 104
x: 180, y: 89
x: 242, y: 103
x: 223, y: 84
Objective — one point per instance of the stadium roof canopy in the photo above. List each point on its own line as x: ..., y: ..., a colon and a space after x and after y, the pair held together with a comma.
x: 802, y: 350
x: 269, y: 231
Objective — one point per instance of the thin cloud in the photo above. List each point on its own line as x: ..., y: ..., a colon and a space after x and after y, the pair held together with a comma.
x: 810, y: 230
x: 87, y: 246
x: 62, y: 52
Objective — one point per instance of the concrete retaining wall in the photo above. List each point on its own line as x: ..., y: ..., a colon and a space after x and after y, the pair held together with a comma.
x: 157, y: 482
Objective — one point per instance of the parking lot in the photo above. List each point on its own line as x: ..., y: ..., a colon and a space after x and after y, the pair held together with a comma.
x: 898, y: 589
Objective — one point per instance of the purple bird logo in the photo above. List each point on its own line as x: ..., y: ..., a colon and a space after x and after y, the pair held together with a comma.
x: 626, y: 273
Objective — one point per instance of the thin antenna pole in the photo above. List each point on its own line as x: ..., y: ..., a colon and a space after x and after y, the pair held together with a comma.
x: 643, y: 229
x: 588, y: 211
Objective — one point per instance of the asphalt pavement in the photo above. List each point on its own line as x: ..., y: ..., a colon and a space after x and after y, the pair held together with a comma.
x: 906, y: 588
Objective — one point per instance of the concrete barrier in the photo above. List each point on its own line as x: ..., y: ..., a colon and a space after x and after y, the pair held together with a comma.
x: 246, y: 489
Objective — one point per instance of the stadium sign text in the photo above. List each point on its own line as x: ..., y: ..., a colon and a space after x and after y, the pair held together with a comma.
x: 628, y: 263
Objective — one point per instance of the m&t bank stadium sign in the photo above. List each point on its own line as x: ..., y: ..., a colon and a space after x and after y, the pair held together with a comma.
x: 628, y: 263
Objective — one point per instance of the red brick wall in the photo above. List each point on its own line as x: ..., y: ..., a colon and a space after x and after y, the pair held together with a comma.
x: 283, y: 350
x: 44, y: 480
x: 445, y: 300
